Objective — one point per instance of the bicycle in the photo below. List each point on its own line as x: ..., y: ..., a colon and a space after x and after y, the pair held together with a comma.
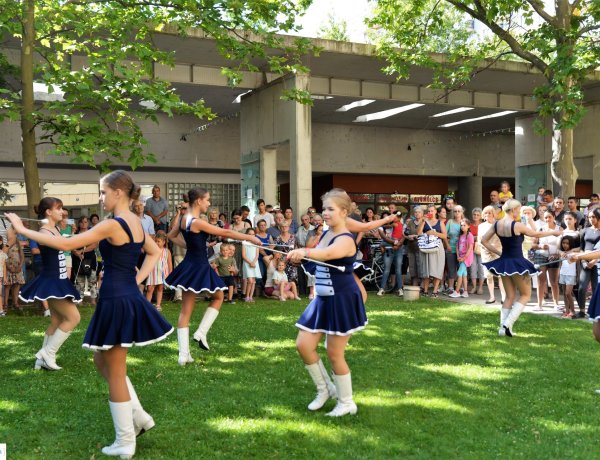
x: 375, y: 263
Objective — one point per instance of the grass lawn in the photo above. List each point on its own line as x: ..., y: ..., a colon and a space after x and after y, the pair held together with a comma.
x: 431, y: 380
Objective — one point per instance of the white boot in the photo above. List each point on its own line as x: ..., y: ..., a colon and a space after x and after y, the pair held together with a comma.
x: 183, y: 339
x: 504, y: 312
x: 345, y: 405
x: 325, y: 387
x: 124, y: 445
x: 516, y: 311
x: 48, y: 353
x: 142, y: 420
x: 210, y: 315
x: 39, y: 363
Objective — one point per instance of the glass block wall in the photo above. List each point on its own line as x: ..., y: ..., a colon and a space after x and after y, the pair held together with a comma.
x: 226, y: 197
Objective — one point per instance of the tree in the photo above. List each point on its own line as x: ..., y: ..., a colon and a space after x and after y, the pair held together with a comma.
x: 561, y: 39
x: 334, y: 30
x: 94, y: 115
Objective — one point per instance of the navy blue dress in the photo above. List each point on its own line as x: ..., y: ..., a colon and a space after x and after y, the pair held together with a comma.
x: 123, y: 316
x: 338, y: 307
x: 594, y: 306
x: 511, y: 262
x: 194, y: 273
x: 52, y: 282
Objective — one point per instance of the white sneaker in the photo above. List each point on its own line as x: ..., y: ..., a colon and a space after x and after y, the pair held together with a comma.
x: 454, y: 295
x: 380, y: 292
x: 501, y: 331
x: 465, y: 294
x: 400, y: 292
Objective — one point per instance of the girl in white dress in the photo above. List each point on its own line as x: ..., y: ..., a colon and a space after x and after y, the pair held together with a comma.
x: 251, y: 269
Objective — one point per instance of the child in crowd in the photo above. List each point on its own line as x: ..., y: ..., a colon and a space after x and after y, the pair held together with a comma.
x: 164, y: 266
x: 505, y: 193
x: 251, y: 269
x: 464, y: 252
x: 3, y: 258
x: 13, y: 275
x: 227, y: 268
x: 568, y: 277
x: 284, y: 288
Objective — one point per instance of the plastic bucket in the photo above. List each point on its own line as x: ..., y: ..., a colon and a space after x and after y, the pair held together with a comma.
x: 412, y: 293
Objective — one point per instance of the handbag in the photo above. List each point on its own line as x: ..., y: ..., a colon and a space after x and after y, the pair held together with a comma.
x: 428, y: 243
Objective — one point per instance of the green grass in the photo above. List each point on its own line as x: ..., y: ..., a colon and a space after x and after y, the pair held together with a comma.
x: 431, y: 380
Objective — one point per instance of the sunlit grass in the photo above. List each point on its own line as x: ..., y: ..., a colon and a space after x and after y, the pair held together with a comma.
x: 431, y: 380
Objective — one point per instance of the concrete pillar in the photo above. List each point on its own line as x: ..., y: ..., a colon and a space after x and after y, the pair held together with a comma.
x: 301, y: 152
x: 268, y: 174
x: 596, y: 172
x: 469, y: 193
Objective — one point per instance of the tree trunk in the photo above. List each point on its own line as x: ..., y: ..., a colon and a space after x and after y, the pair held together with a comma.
x: 563, y: 167
x: 30, y: 168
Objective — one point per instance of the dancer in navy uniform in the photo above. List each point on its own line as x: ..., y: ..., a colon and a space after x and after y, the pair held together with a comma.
x: 594, y: 306
x: 337, y: 310
x: 194, y: 274
x: 53, y: 285
x: 514, y: 270
x: 123, y: 316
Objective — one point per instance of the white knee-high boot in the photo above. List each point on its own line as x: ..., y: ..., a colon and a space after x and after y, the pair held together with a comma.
x: 39, y: 363
x: 124, y: 445
x: 504, y: 312
x: 48, y: 353
x: 516, y: 311
x: 345, y: 405
x: 210, y: 315
x: 325, y: 387
x: 183, y: 339
x: 142, y: 420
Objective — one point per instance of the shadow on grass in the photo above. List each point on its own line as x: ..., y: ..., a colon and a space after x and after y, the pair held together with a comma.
x: 431, y: 379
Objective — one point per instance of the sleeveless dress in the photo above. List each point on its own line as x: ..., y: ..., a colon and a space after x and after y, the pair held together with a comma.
x: 159, y: 272
x: 511, y: 262
x: 251, y: 272
x: 338, y: 307
x: 594, y: 306
x: 194, y: 273
x: 123, y: 316
x: 52, y: 282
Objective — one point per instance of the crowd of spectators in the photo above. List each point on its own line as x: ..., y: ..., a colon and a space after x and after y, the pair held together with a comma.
x: 454, y: 268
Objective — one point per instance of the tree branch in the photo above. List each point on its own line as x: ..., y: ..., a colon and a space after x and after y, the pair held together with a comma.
x: 538, y: 7
x: 514, y: 45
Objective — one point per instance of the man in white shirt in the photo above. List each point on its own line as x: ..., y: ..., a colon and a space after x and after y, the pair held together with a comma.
x: 263, y: 214
x: 303, y: 231
x: 147, y: 222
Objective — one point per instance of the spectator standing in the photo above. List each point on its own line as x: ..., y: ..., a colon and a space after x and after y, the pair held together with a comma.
x: 433, y: 262
x: 495, y: 203
x: 164, y: 266
x: 488, y: 214
x: 84, y: 263
x: 157, y: 208
x: 289, y: 217
x: 393, y: 246
x: 411, y: 227
x: 594, y: 203
x: 559, y: 211
x: 275, y: 231
x: 147, y: 222
x: 263, y: 214
x: 178, y: 252
x: 476, y: 268
x: 251, y: 269
x: 453, y: 231
x: 590, y: 237
x: 13, y: 277
x: 3, y: 258
x: 573, y: 206
x: 546, y: 250
x: 223, y: 218
x: 301, y: 237
x: 286, y: 242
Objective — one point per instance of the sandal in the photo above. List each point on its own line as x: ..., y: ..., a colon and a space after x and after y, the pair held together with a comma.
x: 434, y: 295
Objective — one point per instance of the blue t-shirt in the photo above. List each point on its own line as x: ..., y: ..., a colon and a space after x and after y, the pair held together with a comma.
x: 36, y: 258
x: 453, y: 230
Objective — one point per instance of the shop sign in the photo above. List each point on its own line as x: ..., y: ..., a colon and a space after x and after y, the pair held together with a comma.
x: 425, y: 199
x: 392, y: 198
x: 362, y: 197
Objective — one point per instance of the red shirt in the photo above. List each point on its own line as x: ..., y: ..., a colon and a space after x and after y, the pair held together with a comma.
x: 397, y: 231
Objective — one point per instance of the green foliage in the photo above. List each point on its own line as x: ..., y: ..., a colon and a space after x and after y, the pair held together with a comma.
x: 334, y: 30
x: 563, y: 46
x: 101, y: 54
x: 431, y: 380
